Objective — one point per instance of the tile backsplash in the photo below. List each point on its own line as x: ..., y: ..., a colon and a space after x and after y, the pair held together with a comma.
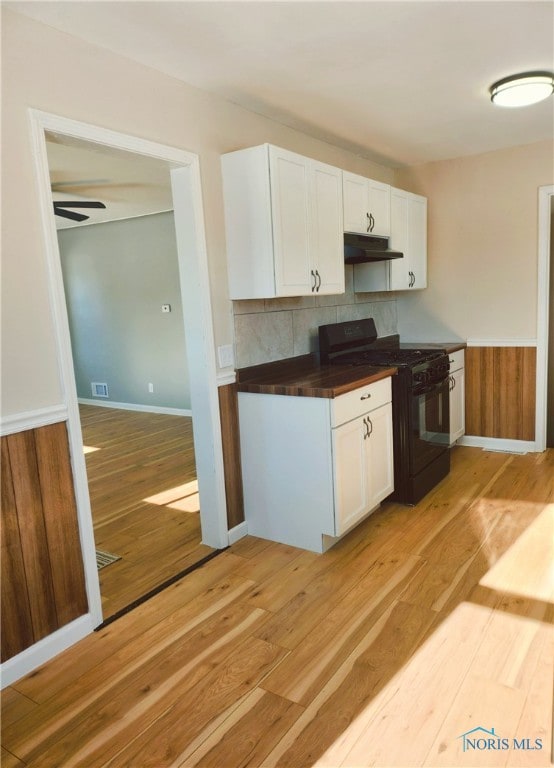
x: 274, y: 329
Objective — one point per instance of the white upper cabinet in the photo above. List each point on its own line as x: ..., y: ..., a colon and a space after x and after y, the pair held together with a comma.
x: 409, y: 235
x: 283, y: 220
x: 366, y: 205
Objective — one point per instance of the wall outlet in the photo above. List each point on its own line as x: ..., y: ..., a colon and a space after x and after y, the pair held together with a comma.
x: 150, y: 387
x: 225, y: 356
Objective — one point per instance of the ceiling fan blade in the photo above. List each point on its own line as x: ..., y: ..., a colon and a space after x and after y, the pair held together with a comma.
x: 70, y: 215
x: 79, y: 183
x: 78, y: 204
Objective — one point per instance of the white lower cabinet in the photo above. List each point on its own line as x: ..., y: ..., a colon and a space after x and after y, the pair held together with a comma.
x: 363, y: 469
x: 314, y: 467
x: 457, y: 395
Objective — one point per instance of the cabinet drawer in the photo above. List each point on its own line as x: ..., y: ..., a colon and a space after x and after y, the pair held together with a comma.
x: 456, y: 360
x: 362, y: 400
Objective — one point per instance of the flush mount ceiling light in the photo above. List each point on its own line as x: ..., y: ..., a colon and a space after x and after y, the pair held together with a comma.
x: 521, y: 90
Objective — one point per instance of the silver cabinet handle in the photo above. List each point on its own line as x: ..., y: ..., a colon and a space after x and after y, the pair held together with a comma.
x: 368, y: 223
x: 371, y: 427
x: 319, y: 281
x: 366, y: 397
x: 315, y: 280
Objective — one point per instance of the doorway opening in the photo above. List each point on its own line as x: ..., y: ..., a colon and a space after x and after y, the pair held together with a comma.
x: 160, y: 435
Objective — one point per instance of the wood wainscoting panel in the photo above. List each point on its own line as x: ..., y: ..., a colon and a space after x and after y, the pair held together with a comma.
x: 17, y: 628
x: 60, y: 520
x: 229, y: 415
x: 500, y: 392
x: 43, y: 581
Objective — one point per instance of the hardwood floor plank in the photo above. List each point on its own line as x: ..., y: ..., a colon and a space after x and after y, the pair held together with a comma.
x: 477, y: 699
x: 246, y: 737
x: 14, y: 706
x: 423, y: 622
x: 142, y: 465
x: 307, y: 668
x: 251, y: 661
x: 198, y: 593
x: 7, y: 760
x: 130, y: 705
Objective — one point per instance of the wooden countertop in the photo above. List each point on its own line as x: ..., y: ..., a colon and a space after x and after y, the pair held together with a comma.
x: 304, y: 377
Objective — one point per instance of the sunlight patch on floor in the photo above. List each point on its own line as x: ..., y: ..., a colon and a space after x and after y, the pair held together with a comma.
x: 527, y: 567
x: 184, y: 498
x: 480, y: 667
x: 89, y: 449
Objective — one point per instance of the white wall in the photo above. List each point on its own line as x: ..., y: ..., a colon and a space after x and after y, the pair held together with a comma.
x: 116, y: 276
x: 482, y: 244
x: 51, y: 71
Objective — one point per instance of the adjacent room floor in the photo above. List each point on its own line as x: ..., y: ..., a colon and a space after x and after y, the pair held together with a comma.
x: 420, y: 626
x: 144, y: 499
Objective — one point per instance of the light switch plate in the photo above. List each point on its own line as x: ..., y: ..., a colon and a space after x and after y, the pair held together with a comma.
x: 225, y: 356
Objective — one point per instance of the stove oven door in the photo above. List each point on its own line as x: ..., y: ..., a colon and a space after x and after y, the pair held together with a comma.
x: 430, y: 423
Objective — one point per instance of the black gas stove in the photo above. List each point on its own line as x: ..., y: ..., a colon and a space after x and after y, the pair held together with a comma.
x: 420, y: 400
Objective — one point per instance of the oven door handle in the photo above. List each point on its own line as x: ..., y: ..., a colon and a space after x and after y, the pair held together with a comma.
x: 430, y: 388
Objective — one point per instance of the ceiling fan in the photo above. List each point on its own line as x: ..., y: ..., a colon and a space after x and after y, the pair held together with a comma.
x: 61, y: 206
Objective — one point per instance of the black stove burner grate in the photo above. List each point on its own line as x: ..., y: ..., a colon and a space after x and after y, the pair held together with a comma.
x: 387, y: 356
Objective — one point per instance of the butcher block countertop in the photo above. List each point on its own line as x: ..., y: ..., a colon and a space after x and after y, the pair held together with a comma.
x: 304, y: 377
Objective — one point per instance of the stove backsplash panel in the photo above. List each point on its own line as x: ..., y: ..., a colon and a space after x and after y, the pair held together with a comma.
x: 274, y: 329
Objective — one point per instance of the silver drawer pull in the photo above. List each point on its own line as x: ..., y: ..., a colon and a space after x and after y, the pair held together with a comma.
x: 365, y: 397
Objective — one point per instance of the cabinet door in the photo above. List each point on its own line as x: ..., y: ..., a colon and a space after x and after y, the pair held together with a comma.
x: 326, y: 241
x: 457, y: 405
x: 417, y: 233
x: 379, y: 455
x: 355, y: 203
x: 409, y: 235
x: 379, y: 208
x: 400, y: 269
x: 289, y: 200
x: 349, y: 455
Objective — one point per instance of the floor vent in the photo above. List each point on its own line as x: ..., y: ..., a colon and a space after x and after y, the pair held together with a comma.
x: 105, y: 558
x: 99, y: 389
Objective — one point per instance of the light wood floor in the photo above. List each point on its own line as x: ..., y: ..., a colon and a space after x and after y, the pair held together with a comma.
x: 144, y: 499
x: 419, y: 626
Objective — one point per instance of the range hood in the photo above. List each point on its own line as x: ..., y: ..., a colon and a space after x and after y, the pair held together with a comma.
x: 363, y: 249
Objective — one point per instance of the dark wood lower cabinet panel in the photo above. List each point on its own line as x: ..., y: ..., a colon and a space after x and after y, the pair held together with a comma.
x: 229, y: 415
x: 500, y: 392
x: 43, y: 584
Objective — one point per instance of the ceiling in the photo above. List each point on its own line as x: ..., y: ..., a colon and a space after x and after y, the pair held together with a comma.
x: 400, y: 83
x: 128, y: 184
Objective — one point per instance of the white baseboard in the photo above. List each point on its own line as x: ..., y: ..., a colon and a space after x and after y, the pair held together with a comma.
x: 41, y: 652
x: 136, y: 407
x: 498, y: 444
x: 238, y: 532
x: 42, y: 417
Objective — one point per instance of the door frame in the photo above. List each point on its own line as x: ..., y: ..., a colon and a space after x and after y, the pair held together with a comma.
x: 197, y: 317
x: 543, y: 304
